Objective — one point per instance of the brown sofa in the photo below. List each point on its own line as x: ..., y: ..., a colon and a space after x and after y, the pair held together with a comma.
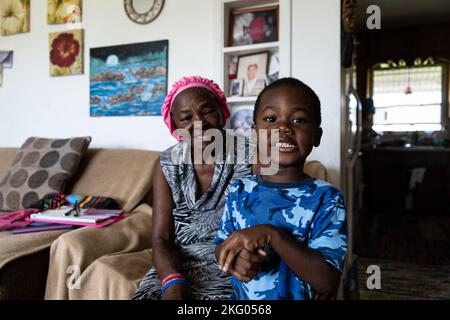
x: 110, y: 262
x: 116, y: 275
x: 124, y: 175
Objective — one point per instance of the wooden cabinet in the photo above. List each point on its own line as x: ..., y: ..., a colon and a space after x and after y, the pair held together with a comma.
x: 386, y: 177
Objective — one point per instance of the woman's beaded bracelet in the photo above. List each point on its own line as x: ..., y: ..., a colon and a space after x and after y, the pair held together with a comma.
x: 172, y: 276
x: 172, y: 282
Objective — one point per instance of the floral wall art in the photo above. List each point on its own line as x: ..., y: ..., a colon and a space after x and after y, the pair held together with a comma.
x: 66, y: 53
x: 64, y: 11
x: 128, y: 80
x: 15, y: 16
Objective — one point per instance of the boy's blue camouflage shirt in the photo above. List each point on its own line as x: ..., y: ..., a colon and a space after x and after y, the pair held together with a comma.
x: 311, y: 211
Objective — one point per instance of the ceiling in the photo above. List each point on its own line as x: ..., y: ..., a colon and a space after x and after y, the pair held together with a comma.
x: 402, y: 13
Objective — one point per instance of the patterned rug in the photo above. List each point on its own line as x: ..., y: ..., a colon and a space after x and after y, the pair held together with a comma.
x: 400, y: 281
x: 408, y: 239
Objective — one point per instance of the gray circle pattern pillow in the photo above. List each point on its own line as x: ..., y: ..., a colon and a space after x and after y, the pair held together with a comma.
x: 41, y: 166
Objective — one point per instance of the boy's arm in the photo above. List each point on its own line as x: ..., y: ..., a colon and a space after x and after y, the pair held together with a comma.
x: 246, y: 264
x: 307, y: 263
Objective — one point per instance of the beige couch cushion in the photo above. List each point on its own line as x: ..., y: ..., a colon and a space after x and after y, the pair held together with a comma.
x: 316, y: 170
x: 83, y: 246
x: 124, y: 175
x: 14, y: 246
x: 114, y: 277
x: 7, y: 156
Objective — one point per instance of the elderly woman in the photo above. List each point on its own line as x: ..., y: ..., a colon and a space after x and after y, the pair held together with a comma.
x: 189, y: 195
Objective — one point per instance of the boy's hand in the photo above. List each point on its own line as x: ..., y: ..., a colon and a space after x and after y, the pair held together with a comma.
x: 246, y: 265
x: 252, y: 239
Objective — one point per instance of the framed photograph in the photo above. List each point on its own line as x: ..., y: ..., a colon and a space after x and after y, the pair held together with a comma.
x: 236, y: 87
x: 253, y: 69
x: 253, y: 25
x: 241, y: 120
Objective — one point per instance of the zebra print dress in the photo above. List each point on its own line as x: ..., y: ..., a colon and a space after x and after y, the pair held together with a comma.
x: 196, y: 220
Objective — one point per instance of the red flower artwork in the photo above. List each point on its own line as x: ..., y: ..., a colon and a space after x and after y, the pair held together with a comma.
x: 65, y: 49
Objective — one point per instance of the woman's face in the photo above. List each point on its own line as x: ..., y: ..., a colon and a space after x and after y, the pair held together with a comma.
x: 200, y: 106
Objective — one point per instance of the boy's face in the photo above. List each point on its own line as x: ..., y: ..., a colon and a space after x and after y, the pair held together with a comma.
x: 291, y: 112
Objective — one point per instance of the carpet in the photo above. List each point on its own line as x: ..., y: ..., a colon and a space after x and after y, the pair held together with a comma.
x: 400, y: 281
x: 421, y: 240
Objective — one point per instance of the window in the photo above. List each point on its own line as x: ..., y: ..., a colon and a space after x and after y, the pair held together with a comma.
x: 408, y: 99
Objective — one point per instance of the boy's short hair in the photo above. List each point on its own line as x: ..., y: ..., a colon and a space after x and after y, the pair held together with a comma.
x: 293, y: 83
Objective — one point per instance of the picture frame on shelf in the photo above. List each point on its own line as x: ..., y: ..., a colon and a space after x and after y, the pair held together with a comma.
x: 253, y: 69
x: 236, y: 87
x: 253, y: 25
x: 241, y: 120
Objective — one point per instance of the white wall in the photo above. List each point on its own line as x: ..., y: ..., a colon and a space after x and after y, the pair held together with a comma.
x: 33, y: 103
x: 316, y: 61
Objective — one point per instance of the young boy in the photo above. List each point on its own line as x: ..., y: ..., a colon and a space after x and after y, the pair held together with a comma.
x: 284, y: 236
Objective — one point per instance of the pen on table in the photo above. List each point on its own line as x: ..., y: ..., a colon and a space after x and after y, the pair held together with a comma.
x: 75, y: 208
x: 68, y: 212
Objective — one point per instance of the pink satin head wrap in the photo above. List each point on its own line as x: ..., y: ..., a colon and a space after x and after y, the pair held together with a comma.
x: 191, y: 82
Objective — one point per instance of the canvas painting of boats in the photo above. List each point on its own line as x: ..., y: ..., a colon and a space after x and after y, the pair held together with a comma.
x: 128, y: 80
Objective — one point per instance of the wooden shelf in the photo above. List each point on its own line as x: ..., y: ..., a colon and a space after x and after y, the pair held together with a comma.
x: 247, y: 3
x: 251, y: 99
x: 251, y: 48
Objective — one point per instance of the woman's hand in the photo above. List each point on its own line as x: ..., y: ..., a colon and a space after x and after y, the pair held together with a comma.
x: 179, y: 291
x: 246, y: 265
x: 253, y: 239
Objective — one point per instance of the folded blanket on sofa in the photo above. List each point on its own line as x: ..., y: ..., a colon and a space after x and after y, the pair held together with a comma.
x: 15, y: 219
x: 56, y: 200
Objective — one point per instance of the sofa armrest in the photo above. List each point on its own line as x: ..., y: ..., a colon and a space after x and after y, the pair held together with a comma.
x: 77, y: 249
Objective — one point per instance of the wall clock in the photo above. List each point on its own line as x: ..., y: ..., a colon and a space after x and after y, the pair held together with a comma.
x: 143, y: 11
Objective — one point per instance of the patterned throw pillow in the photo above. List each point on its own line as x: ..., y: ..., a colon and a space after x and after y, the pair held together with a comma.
x: 42, y: 166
